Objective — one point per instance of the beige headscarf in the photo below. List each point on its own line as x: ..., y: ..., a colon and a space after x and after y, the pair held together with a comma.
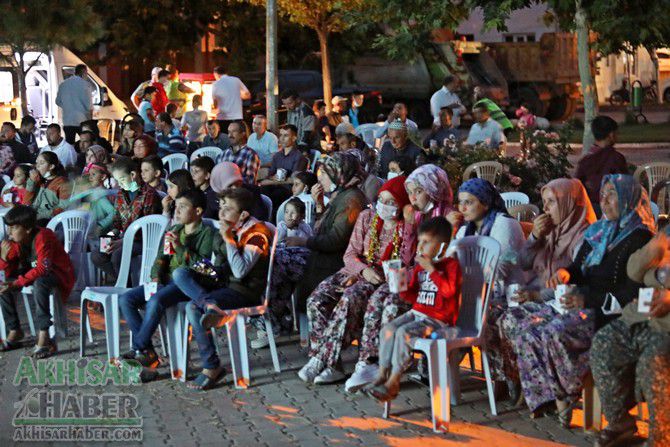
x: 576, y: 214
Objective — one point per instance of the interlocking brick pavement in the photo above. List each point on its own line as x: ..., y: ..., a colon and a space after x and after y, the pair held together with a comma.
x: 280, y: 410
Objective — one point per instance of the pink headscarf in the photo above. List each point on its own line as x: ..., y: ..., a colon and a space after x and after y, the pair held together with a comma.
x: 224, y: 175
x: 435, y: 182
x: 576, y: 214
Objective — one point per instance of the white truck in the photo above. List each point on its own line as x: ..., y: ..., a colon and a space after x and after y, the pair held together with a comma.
x: 42, y: 82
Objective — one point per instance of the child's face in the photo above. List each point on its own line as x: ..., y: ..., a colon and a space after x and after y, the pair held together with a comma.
x: 96, y: 177
x: 292, y: 216
x: 428, y: 245
x: 185, y: 213
x: 200, y: 176
x: 394, y: 167
x: 172, y: 190
x: 123, y: 179
x: 18, y: 233
x: 298, y: 187
x: 43, y: 166
x: 148, y: 173
x: 19, y: 177
x: 229, y: 213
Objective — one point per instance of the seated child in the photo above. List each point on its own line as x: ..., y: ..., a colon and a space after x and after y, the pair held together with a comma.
x: 191, y: 242
x: 434, y: 292
x: 48, y: 188
x: 96, y: 198
x: 302, y: 183
x: 293, y: 224
x: 201, y: 172
x: 244, y: 254
x: 132, y: 201
x: 16, y: 194
x: 151, y: 170
x: 32, y: 256
x: 177, y: 182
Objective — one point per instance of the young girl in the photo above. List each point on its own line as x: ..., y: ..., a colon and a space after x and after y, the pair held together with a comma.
x: 177, y: 182
x: 100, y: 206
x: 16, y: 194
x: 293, y: 224
x: 48, y: 190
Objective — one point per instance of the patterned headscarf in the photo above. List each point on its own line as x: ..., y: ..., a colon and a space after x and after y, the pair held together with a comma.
x: 397, y: 125
x: 435, y: 182
x: 344, y: 169
x: 489, y: 196
x: 99, y: 153
x: 634, y: 213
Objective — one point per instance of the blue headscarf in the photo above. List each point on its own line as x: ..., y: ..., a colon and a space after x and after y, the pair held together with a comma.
x: 489, y: 196
x: 634, y: 213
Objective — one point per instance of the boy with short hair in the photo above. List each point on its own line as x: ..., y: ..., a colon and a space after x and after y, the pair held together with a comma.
x: 434, y: 292
x: 244, y: 252
x: 201, y: 172
x: 32, y: 256
x: 191, y: 242
x: 151, y: 171
x: 133, y: 200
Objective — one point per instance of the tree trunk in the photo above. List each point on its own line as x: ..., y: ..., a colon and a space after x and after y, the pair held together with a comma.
x: 325, y: 69
x: 271, y: 90
x: 585, y: 75
x: 21, y: 75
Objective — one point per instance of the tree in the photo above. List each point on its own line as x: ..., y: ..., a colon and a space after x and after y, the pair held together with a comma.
x: 618, y: 24
x: 325, y: 17
x: 40, y: 25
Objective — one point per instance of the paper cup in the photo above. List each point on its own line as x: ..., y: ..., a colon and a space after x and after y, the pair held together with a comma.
x: 644, y: 300
x: 512, y: 291
x: 150, y: 290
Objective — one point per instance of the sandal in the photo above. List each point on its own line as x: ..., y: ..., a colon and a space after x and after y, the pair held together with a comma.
x: 382, y: 394
x: 42, y: 352
x: 203, y: 382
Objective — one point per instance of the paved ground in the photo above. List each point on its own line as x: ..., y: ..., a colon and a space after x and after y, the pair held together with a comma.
x: 279, y: 410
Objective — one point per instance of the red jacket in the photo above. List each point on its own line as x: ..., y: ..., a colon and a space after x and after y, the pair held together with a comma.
x: 160, y: 100
x: 46, y: 255
x: 436, y: 295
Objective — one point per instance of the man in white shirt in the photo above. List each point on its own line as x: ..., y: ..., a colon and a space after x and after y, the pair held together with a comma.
x: 74, y: 97
x: 57, y: 144
x: 263, y: 142
x: 228, y: 92
x: 486, y: 130
x: 446, y: 97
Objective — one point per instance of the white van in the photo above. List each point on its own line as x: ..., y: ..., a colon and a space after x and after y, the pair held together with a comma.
x: 42, y: 83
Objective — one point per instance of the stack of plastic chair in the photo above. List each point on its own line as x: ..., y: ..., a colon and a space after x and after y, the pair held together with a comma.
x: 212, y: 152
x: 173, y: 162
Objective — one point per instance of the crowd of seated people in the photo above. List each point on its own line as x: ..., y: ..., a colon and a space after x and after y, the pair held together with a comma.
x: 339, y: 216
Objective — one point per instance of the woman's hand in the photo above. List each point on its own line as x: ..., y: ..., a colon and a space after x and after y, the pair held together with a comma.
x: 165, y: 202
x: 542, y: 226
x: 573, y: 300
x: 455, y: 219
x: 408, y: 212
x: 35, y: 175
x: 372, y: 276
x: 562, y: 276
x: 4, y: 249
x: 660, y: 305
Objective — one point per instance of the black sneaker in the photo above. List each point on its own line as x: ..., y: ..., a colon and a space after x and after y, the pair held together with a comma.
x: 129, y: 355
x: 147, y: 358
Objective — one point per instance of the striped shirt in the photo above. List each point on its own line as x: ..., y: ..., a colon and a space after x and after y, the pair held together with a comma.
x: 173, y: 143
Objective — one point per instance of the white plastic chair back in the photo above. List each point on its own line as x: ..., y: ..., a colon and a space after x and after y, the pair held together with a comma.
x: 173, y: 162
x: 273, y: 250
x: 514, y: 198
x: 478, y: 257
x: 655, y: 173
x: 152, y: 228
x: 524, y: 213
x: 268, y: 204
x: 315, y: 157
x: 487, y: 170
x: 310, y: 208
x: 7, y: 179
x: 76, y: 225
x: 212, y: 152
x: 367, y: 133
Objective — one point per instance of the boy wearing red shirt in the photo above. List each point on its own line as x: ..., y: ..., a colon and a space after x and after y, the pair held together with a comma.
x: 32, y: 256
x: 434, y: 292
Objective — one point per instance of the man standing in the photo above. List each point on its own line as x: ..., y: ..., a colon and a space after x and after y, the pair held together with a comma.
x: 12, y: 151
x: 138, y: 94
x: 398, y: 143
x: 399, y: 113
x: 447, y: 97
x: 26, y: 134
x: 215, y: 137
x: 240, y: 154
x: 485, y: 130
x: 262, y: 141
x: 228, y: 92
x: 355, y: 117
x: 301, y: 116
x: 57, y: 144
x: 169, y: 138
x: 74, y: 97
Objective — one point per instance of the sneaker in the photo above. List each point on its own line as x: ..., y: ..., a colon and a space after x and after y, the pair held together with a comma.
x: 147, y: 358
x: 364, y: 374
x: 329, y: 375
x: 312, y: 369
x: 129, y: 355
x: 261, y: 341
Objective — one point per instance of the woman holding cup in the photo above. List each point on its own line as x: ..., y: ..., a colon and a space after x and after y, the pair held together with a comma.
x: 553, y: 348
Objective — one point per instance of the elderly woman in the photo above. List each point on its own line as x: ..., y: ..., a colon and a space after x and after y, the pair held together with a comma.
x: 630, y: 357
x: 553, y: 349
x: 430, y: 195
x: 336, y: 308
x: 557, y: 235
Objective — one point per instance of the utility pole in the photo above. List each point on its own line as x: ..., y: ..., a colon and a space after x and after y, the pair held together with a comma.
x: 271, y: 88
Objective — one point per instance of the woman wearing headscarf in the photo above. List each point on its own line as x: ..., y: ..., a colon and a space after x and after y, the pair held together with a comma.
x: 430, y: 195
x: 336, y: 308
x: 630, y: 357
x: 557, y: 235
x: 553, y: 349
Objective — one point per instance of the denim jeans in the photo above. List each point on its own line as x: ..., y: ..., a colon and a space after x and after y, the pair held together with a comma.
x: 42, y: 288
x: 144, y: 327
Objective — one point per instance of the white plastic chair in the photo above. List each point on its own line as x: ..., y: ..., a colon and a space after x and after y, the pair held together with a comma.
x: 152, y: 228
x: 514, y: 198
x: 268, y: 204
x: 212, y: 152
x: 524, y: 213
x: 310, y: 208
x: 487, y: 170
x: 76, y: 225
x: 478, y: 256
x: 367, y: 133
x: 315, y: 157
x: 173, y: 162
x: 655, y: 172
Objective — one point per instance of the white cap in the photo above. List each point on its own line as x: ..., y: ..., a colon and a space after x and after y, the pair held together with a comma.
x: 156, y: 70
x: 338, y: 99
x: 344, y: 128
